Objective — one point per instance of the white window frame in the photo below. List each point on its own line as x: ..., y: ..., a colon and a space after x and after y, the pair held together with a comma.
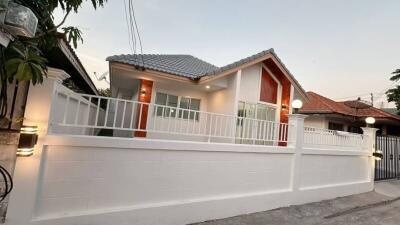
x: 178, y: 106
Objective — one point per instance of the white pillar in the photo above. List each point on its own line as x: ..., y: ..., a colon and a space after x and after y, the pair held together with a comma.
x: 296, y: 141
x: 370, y: 135
x: 296, y: 130
x: 27, y: 169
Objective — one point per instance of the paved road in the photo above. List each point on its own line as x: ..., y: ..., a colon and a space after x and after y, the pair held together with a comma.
x: 315, y: 213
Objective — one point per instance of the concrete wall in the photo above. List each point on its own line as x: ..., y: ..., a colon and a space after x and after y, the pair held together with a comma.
x: 97, y: 180
x: 316, y: 121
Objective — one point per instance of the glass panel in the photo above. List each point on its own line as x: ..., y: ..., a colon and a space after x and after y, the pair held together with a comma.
x: 184, y: 104
x: 161, y: 99
x: 241, y: 109
x: 194, y: 105
x: 173, y: 102
x: 262, y: 111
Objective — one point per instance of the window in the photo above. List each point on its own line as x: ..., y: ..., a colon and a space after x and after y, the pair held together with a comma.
x: 188, y: 107
x: 167, y: 100
x: 336, y: 126
x: 256, y: 111
x: 353, y: 129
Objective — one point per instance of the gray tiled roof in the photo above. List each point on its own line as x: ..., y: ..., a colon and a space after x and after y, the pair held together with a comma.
x: 181, y: 65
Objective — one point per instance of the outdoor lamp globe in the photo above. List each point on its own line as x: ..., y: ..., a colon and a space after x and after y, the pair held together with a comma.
x: 296, y: 105
x: 370, y: 120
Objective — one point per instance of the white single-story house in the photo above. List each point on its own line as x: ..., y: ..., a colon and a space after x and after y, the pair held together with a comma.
x: 263, y: 159
x: 258, y: 87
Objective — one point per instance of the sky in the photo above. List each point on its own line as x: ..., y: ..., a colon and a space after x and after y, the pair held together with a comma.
x: 339, y: 49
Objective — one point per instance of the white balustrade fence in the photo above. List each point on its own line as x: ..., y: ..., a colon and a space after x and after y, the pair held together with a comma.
x: 317, y: 137
x: 159, y: 121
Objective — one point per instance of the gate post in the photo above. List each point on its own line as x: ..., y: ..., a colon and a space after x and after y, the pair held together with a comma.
x: 370, y: 139
x: 296, y: 141
x: 27, y: 169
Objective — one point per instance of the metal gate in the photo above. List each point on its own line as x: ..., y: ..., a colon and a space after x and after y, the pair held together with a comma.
x: 388, y: 167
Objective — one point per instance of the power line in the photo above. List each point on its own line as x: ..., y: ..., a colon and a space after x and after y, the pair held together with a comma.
x: 128, y: 27
x: 379, y: 93
x: 133, y: 30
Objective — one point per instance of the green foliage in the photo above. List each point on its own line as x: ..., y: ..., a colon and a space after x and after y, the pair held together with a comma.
x: 23, y: 63
x: 105, y: 92
x: 24, y: 57
x: 74, y: 35
x: 393, y: 94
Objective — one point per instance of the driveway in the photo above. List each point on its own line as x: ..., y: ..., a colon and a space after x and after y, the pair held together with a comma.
x: 380, y: 207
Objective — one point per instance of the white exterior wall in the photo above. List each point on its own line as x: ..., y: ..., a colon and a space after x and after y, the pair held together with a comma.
x: 225, y: 100
x: 316, y: 121
x: 250, y: 84
x: 97, y: 180
x: 321, y: 121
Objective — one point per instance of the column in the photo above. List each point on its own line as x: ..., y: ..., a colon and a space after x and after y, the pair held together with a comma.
x: 27, y: 169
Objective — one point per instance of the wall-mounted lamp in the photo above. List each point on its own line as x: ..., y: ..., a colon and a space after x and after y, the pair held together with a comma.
x: 370, y: 121
x: 378, y: 154
x: 143, y: 92
x: 17, y: 19
x: 296, y: 105
x: 27, y: 140
x: 284, y: 106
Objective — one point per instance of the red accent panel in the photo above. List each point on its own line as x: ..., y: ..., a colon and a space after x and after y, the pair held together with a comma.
x: 269, y: 88
x: 147, y: 87
x: 286, y: 89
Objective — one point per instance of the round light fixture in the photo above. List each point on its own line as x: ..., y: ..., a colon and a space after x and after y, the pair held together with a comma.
x: 208, y: 87
x: 370, y: 120
x: 297, y: 104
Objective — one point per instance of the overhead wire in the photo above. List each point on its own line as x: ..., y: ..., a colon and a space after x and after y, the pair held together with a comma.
x: 133, y: 31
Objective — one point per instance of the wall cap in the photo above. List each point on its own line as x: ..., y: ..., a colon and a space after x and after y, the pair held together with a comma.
x: 57, y: 74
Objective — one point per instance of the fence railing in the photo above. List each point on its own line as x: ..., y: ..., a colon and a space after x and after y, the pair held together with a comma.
x: 129, y: 118
x: 317, y: 137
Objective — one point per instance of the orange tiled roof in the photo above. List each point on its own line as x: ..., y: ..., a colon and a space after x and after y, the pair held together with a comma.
x: 320, y: 104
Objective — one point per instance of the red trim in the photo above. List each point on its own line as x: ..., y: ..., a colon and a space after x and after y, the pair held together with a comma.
x: 269, y: 88
x: 145, y: 91
x: 286, y: 90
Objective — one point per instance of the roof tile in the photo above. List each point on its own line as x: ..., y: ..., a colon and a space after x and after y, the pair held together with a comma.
x: 320, y: 104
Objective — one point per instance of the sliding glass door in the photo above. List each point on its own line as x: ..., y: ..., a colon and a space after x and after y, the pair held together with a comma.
x: 252, y: 122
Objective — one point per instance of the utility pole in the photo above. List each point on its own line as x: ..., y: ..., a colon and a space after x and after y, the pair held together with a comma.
x: 372, y: 99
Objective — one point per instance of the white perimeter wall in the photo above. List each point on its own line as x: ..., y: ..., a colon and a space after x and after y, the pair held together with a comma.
x: 97, y: 180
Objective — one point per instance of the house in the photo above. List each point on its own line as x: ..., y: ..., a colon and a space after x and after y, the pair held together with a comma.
x: 183, y: 87
x: 347, y: 115
x: 258, y: 164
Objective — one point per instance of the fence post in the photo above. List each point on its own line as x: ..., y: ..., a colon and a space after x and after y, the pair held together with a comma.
x: 296, y: 130
x: 370, y: 135
x: 296, y: 141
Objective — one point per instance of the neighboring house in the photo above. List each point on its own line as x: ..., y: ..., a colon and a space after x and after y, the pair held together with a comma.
x: 258, y: 87
x: 347, y: 116
x: 64, y: 57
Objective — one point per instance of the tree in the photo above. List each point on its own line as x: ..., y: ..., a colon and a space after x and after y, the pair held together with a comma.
x: 393, y: 94
x: 23, y: 59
